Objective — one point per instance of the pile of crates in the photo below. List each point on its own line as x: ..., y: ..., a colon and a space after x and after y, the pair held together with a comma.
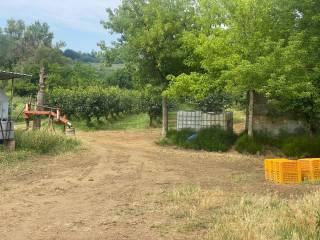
x: 292, y: 171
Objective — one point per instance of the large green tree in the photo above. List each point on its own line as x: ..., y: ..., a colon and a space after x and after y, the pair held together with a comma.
x: 248, y: 46
x: 150, y: 37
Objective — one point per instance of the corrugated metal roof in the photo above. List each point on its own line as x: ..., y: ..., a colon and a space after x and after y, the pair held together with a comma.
x: 4, y: 75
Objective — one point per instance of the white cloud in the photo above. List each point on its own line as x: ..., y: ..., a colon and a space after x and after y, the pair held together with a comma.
x: 83, y: 15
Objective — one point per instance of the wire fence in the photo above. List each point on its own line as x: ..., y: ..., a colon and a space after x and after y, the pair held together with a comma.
x: 197, y: 120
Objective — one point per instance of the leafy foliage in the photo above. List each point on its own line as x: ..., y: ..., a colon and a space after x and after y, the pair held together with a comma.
x: 301, y: 146
x: 86, y: 103
x: 209, y: 139
x: 82, y: 57
x: 246, y: 144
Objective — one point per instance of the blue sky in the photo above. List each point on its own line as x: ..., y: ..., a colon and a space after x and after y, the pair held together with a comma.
x: 76, y: 22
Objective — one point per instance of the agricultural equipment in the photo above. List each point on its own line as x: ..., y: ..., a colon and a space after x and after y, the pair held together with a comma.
x: 54, y: 115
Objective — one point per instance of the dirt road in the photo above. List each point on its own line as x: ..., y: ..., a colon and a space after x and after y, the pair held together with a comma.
x: 113, y: 189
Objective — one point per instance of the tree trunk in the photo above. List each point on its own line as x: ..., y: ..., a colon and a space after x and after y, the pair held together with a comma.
x: 250, y: 113
x: 247, y: 113
x: 164, y: 116
x: 40, y: 99
x: 150, y: 121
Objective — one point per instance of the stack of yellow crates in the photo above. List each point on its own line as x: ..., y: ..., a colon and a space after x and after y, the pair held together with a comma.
x: 292, y: 171
x: 310, y: 169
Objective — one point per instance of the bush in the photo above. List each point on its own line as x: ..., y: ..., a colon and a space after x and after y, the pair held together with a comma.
x: 210, y: 139
x: 180, y: 138
x: 214, y: 139
x: 246, y: 144
x: 95, y: 102
x: 301, y: 146
x: 44, y: 142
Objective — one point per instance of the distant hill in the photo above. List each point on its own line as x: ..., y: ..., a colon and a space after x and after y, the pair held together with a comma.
x: 82, y: 57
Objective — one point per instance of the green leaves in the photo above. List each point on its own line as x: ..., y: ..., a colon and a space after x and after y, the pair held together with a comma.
x: 85, y: 103
x: 151, y: 33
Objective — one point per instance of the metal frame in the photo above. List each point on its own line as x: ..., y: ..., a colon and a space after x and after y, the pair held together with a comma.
x: 7, y: 76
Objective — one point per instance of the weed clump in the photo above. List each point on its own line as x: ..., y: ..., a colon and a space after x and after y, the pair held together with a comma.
x: 43, y: 142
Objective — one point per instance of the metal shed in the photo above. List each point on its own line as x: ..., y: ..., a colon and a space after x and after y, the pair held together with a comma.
x: 6, y: 106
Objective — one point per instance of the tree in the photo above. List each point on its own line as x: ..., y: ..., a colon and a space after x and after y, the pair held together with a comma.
x: 150, y: 41
x: 236, y: 48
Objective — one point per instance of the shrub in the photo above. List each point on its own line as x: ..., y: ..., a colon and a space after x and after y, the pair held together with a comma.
x: 95, y: 102
x: 180, y: 138
x: 44, y: 142
x: 300, y: 146
x: 214, y: 139
x: 210, y: 139
x: 246, y: 144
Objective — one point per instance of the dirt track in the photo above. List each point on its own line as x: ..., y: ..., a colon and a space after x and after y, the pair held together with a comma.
x: 113, y: 188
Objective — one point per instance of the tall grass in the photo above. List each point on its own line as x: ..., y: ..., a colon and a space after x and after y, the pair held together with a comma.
x: 222, y: 216
x: 43, y: 142
x: 34, y: 143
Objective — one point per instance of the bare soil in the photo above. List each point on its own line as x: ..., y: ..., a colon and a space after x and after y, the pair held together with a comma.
x: 116, y: 187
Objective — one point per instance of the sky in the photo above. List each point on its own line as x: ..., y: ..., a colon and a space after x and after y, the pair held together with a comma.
x: 76, y: 22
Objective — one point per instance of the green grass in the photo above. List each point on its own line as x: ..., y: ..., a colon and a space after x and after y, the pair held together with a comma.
x: 12, y: 158
x: 43, y: 142
x: 137, y: 121
x: 33, y: 143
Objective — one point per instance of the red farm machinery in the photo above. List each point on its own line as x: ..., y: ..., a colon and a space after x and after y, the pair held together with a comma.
x: 54, y: 115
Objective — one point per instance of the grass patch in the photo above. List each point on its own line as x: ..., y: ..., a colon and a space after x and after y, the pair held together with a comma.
x: 215, y: 214
x: 10, y: 158
x: 209, y: 139
x: 136, y: 121
x: 43, y: 142
x: 33, y: 143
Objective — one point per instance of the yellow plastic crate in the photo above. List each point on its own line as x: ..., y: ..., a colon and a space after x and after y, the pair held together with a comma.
x: 268, y: 169
x: 310, y: 169
x: 271, y: 170
x: 288, y: 172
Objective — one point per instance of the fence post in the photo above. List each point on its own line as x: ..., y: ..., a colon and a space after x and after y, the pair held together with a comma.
x: 164, y: 116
